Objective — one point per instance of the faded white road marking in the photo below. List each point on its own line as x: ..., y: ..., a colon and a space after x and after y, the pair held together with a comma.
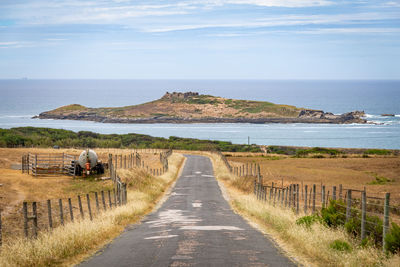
x: 178, y: 194
x: 189, y: 175
x: 196, y: 205
x: 168, y: 217
x: 206, y: 175
x: 181, y: 257
x: 197, y: 172
x: 160, y: 236
x: 210, y: 228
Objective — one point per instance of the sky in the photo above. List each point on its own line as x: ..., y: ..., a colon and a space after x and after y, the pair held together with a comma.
x: 192, y: 39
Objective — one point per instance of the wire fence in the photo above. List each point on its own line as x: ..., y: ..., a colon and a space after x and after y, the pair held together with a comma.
x: 364, y: 215
x: 32, y: 217
x: 352, y: 208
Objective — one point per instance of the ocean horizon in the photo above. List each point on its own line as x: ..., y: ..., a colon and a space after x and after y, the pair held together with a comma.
x: 24, y: 98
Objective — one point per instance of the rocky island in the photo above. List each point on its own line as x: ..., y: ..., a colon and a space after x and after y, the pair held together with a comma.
x: 192, y: 107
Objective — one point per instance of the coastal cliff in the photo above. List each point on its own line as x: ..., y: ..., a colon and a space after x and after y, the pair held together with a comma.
x: 191, y: 107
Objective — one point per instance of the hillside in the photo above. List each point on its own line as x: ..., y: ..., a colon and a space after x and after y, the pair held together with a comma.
x: 192, y: 107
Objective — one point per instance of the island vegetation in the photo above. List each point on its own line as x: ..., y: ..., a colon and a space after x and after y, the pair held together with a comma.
x: 192, y: 107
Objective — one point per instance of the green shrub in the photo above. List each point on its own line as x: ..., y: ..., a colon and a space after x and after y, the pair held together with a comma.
x: 379, y: 180
x: 393, y: 239
x: 45, y: 137
x: 340, y: 245
x: 317, y: 150
x: 378, y: 152
x: 333, y: 214
x: 308, y: 220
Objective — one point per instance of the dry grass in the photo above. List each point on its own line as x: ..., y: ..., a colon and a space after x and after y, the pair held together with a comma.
x: 73, y: 242
x: 16, y: 187
x: 353, y: 173
x: 308, y: 246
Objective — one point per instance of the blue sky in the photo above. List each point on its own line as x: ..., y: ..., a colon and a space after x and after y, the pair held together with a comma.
x: 214, y: 39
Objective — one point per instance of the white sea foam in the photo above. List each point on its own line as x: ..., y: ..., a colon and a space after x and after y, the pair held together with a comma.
x: 371, y: 116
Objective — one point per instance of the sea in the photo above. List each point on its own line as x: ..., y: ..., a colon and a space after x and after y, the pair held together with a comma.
x: 22, y: 99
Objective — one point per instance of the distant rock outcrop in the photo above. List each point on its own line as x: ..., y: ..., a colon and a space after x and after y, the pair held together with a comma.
x: 349, y: 117
x: 177, y: 95
x: 191, y: 107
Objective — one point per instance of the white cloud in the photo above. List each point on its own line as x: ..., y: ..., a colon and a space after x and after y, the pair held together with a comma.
x: 8, y: 43
x: 15, y: 44
x: 284, y: 20
x: 281, y: 3
x: 352, y: 31
x: 58, y: 12
x: 55, y: 39
x: 392, y: 4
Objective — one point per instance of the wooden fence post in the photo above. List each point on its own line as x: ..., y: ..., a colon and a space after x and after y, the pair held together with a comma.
x: 71, y: 213
x: 385, y: 220
x: 274, y: 195
x: 348, y: 208
x: 286, y: 196
x: 305, y: 198
x: 323, y: 196
x: 340, y: 192
x: 35, y: 219
x: 115, y: 198
x: 49, y: 214
x: 80, y: 207
x: 89, y: 208
x: 103, y: 200
x: 363, y: 214
x: 25, y: 212
x: 61, y: 211
x: 334, y: 192
x: 290, y: 196
x: 271, y: 191
x: 314, y: 195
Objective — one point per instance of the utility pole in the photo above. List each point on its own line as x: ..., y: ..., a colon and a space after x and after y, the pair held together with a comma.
x: 248, y: 140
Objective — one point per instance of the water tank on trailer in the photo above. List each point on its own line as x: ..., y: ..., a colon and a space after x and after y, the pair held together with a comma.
x: 83, y: 158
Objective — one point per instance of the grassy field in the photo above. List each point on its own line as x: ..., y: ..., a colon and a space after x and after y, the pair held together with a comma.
x: 379, y: 174
x: 69, y: 244
x: 309, y: 246
x: 17, y: 187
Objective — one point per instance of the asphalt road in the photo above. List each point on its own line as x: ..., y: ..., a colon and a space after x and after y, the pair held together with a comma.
x: 195, y: 226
